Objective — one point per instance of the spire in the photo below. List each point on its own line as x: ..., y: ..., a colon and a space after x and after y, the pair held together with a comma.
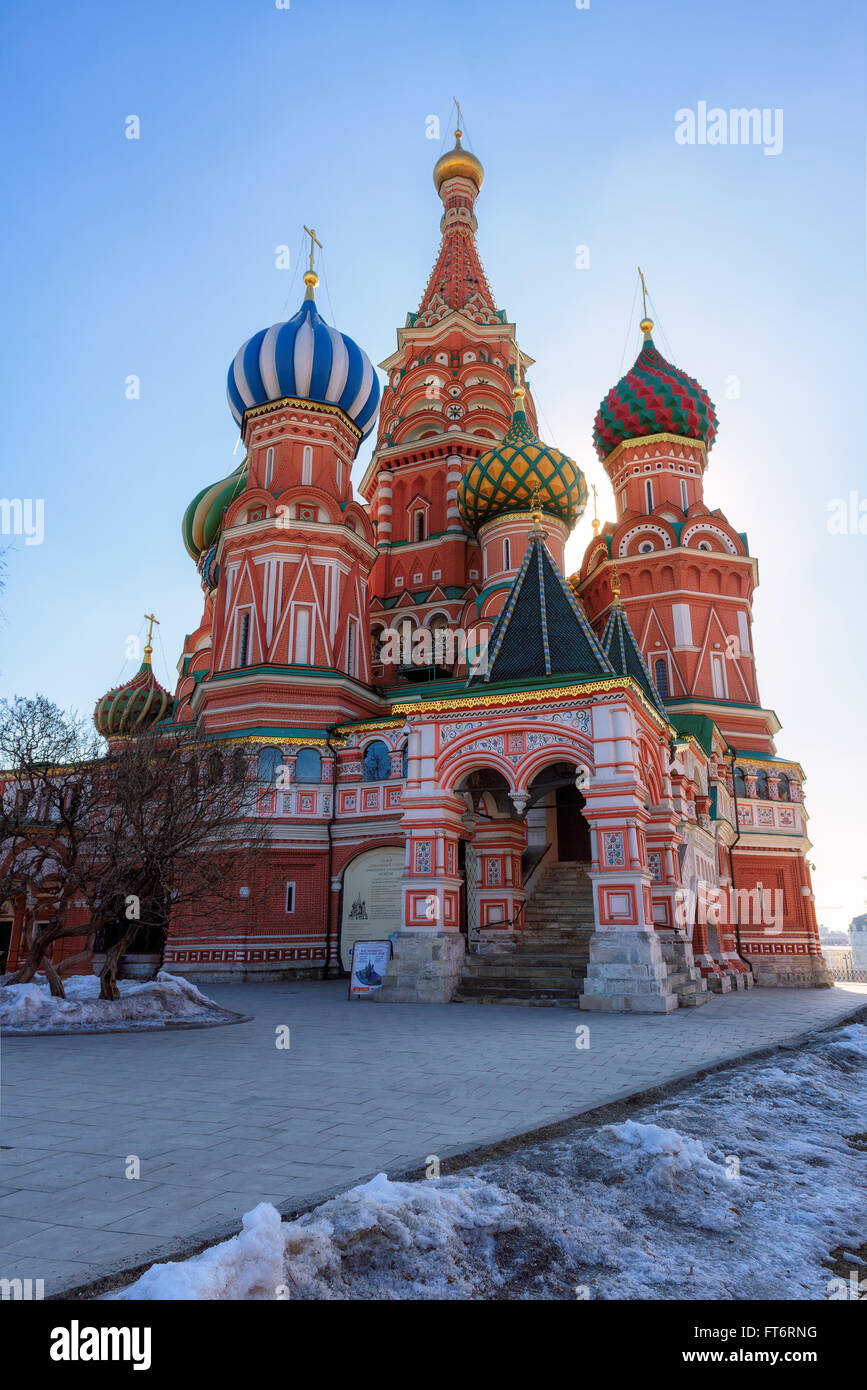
x: 311, y: 279
x: 542, y: 629
x: 646, y: 324
x: 149, y: 645
x: 457, y: 280
x: 622, y: 651
x: 615, y: 587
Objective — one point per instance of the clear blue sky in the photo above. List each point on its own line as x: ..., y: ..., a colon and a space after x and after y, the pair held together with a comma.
x: 157, y: 257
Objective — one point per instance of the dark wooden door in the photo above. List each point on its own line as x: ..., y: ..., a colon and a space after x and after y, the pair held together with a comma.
x: 573, y: 832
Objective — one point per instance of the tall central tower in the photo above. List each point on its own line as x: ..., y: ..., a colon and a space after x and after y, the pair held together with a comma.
x: 448, y: 399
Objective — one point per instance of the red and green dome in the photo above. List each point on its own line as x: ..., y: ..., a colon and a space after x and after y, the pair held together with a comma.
x: 133, y: 707
x: 654, y: 398
x: 519, y: 475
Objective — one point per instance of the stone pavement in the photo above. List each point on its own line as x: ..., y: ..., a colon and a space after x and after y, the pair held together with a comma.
x: 222, y: 1118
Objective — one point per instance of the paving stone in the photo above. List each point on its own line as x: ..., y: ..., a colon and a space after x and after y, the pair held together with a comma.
x: 222, y: 1120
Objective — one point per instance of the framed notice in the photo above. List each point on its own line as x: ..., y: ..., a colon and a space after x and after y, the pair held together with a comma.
x: 371, y: 898
x: 369, y: 964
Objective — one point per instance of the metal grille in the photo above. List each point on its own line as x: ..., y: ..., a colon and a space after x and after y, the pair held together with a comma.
x: 470, y: 890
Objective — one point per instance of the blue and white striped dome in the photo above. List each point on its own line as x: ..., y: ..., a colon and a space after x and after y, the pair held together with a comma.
x: 308, y: 359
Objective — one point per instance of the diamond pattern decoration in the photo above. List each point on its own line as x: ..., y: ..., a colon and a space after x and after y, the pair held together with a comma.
x: 508, y: 478
x: 654, y: 398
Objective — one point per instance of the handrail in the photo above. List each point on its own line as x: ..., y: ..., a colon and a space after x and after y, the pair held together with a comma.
x: 538, y: 862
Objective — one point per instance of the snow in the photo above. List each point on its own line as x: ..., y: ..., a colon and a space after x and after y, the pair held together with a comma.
x: 736, y: 1187
x: 167, y: 999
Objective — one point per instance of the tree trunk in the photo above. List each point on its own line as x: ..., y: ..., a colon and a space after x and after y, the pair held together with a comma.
x: 55, y: 984
x: 108, y: 977
x: 35, y: 958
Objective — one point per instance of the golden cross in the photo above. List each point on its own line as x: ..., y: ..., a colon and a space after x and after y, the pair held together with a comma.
x: 595, y: 515
x: 615, y: 586
x: 517, y: 366
x: 149, y: 617
x: 313, y: 238
x: 460, y: 127
x: 643, y: 292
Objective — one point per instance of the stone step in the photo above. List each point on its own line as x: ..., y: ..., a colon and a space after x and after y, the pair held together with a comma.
x: 528, y: 994
x: 532, y: 970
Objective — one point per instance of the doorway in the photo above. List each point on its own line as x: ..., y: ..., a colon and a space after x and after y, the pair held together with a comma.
x: 573, y: 832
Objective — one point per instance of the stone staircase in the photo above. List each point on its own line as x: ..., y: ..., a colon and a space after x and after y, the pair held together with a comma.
x: 549, y: 960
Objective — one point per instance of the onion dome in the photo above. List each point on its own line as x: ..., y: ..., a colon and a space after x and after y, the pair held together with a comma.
x: 653, y: 398
x: 203, y: 519
x: 458, y: 164
x: 519, y: 474
x: 308, y: 360
x: 134, y: 707
x: 208, y: 568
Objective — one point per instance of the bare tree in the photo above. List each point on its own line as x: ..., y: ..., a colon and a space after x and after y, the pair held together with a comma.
x: 156, y: 826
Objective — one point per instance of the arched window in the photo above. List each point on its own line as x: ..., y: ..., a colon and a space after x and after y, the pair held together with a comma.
x: 215, y: 767
x: 239, y: 765
x: 270, y: 760
x: 418, y: 526
x: 407, y: 630
x: 762, y: 791
x: 269, y: 465
x: 244, y: 639
x: 740, y: 782
x: 404, y: 759
x: 784, y: 791
x: 376, y: 641
x: 377, y: 762
x: 307, y: 465
x: 442, y: 643
x: 660, y: 675
x: 308, y: 765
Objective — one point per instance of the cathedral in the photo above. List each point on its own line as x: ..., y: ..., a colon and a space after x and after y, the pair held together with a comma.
x: 543, y: 788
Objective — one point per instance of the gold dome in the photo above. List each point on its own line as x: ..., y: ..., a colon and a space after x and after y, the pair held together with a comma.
x: 458, y: 163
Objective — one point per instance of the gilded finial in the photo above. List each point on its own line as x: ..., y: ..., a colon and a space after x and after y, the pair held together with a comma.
x: 615, y: 587
x: 536, y: 510
x: 149, y: 646
x: 646, y: 324
x: 311, y: 279
x: 595, y: 516
x: 459, y: 132
x: 519, y: 391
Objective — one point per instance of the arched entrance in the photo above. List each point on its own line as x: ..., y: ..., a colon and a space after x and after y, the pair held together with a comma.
x: 490, y: 856
x: 555, y: 810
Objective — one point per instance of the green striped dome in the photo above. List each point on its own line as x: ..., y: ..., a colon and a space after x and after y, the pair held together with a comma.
x: 519, y: 474
x: 133, y: 707
x: 203, y: 519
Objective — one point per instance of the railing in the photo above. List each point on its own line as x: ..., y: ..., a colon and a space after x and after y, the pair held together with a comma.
x: 842, y: 966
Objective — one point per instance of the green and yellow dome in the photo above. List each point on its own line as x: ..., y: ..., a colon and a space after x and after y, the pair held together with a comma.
x: 519, y: 475
x: 203, y: 519
x: 135, y: 706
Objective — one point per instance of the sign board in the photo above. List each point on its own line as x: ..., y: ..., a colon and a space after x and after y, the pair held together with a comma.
x: 369, y: 964
x: 371, y: 907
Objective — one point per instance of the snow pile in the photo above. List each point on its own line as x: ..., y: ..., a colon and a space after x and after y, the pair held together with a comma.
x: 394, y: 1239
x: 662, y: 1157
x: 737, y: 1187
x: 168, y: 999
